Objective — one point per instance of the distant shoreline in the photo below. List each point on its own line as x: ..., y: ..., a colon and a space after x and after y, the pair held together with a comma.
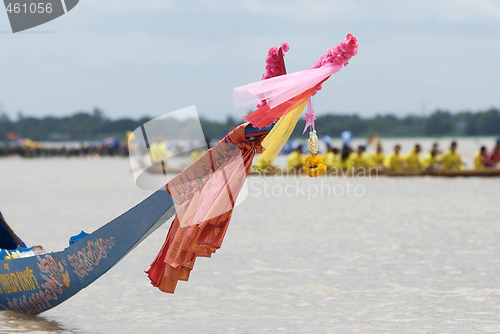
x: 87, y: 126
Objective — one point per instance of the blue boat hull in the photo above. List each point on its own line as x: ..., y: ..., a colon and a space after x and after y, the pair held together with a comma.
x: 38, y: 283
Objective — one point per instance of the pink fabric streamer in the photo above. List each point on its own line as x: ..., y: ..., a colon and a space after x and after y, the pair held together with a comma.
x: 279, y: 89
x: 208, y: 195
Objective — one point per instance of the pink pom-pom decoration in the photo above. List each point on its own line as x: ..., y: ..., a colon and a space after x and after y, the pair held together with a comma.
x: 339, y: 54
x: 275, y: 64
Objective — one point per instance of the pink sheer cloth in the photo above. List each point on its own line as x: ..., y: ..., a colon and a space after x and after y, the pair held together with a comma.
x: 265, y: 115
x: 205, y: 194
x: 279, y: 89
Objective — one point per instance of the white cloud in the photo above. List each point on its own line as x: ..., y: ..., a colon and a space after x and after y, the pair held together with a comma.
x: 349, y: 10
x: 127, y: 6
x: 300, y: 10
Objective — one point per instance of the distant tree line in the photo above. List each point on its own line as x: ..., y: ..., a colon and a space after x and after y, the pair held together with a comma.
x: 437, y: 124
x: 95, y: 125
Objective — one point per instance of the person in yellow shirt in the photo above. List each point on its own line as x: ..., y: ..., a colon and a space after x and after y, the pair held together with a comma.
x: 345, y: 153
x: 435, y: 146
x: 296, y: 159
x: 432, y: 160
x: 331, y: 158
x: 395, y: 160
x: 158, y: 150
x: 377, y: 158
x: 480, y: 158
x: 452, y: 160
x: 413, y: 160
x: 359, y: 159
x: 263, y: 163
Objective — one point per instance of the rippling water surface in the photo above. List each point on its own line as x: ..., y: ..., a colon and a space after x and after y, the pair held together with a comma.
x: 394, y: 255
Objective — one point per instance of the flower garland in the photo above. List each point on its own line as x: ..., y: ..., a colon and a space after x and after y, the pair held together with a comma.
x: 314, y: 164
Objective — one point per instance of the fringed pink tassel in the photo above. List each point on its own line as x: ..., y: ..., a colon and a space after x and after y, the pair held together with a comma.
x: 275, y: 64
x: 340, y: 54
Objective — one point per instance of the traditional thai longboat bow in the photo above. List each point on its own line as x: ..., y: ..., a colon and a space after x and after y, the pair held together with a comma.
x: 205, y: 192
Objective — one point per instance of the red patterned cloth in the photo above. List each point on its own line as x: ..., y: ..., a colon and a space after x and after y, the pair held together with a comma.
x: 204, y: 194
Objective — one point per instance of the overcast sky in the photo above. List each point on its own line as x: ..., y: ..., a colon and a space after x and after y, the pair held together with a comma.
x: 133, y: 58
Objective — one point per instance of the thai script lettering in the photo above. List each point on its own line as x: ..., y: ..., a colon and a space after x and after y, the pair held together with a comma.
x: 18, y: 281
x: 56, y: 280
x: 85, y: 260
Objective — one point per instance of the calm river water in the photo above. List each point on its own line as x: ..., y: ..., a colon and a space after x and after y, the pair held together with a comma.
x: 302, y: 255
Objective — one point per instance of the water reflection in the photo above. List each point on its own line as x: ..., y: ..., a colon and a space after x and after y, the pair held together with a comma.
x: 26, y: 323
